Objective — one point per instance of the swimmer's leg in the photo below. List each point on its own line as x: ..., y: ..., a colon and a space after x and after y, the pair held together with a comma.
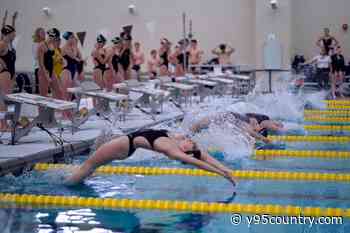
x: 114, y: 150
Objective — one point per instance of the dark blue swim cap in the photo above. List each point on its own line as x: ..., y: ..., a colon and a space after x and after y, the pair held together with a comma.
x: 67, y: 35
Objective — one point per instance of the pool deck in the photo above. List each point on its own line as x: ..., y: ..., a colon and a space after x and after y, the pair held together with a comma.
x: 38, y: 146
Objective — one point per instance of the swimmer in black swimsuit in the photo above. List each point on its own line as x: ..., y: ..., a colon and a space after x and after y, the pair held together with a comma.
x: 72, y: 56
x: 327, y: 41
x: 113, y: 72
x: 99, y: 58
x: 164, y: 53
x: 174, y: 146
x: 125, y: 56
x: 7, y: 66
x: 46, y: 74
x: 338, y: 71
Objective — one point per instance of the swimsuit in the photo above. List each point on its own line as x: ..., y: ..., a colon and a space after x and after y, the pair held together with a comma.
x: 165, y: 60
x: 100, y: 65
x: 71, y: 65
x: 116, y: 60
x: 151, y: 136
x: 80, y: 67
x: 9, y: 59
x: 327, y: 43
x: 57, y: 63
x: 338, y: 63
x: 48, y: 61
x: 125, y: 59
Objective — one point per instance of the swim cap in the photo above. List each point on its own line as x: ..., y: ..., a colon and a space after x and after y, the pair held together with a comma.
x: 67, y: 35
x: 7, y: 29
x: 54, y: 33
x: 116, y: 40
x: 101, y: 39
x: 125, y: 36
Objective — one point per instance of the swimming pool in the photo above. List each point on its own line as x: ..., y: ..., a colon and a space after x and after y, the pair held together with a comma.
x: 46, y: 218
x: 189, y: 188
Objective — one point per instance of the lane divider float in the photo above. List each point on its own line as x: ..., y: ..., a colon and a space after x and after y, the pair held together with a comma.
x: 170, y: 205
x: 239, y: 174
x: 327, y: 127
x: 302, y: 154
x: 325, y: 139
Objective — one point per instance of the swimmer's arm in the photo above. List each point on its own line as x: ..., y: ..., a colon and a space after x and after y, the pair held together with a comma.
x: 40, y: 54
x: 215, y: 52
x: 318, y: 43
x: 179, y: 155
x: 14, y: 17
x: 212, y: 161
x: 335, y: 41
x: 271, y: 125
x: 3, y: 48
x: 230, y: 50
x: 4, y: 19
x: 256, y: 135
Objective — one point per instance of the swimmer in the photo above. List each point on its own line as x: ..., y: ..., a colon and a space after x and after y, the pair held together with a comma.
x: 58, y: 60
x: 256, y: 125
x: 99, y: 55
x: 71, y: 55
x: 174, y: 146
x: 7, y: 65
x: 138, y: 58
x: 195, y: 54
x: 81, y: 63
x: 337, y: 70
x: 114, y: 72
x: 164, y: 52
x: 125, y: 56
x: 46, y: 74
x: 224, y: 53
x: 153, y: 64
x: 327, y: 41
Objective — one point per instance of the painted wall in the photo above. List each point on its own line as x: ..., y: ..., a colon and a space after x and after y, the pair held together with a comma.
x: 309, y: 19
x: 214, y: 22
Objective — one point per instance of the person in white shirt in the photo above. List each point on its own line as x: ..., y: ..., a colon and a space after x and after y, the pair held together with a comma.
x: 323, y: 64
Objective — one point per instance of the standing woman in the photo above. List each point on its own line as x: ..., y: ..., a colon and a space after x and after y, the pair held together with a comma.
x: 327, y: 41
x: 99, y: 59
x: 338, y: 70
x: 138, y: 58
x: 164, y: 53
x: 71, y: 55
x: 113, y: 74
x: 125, y: 56
x: 7, y: 66
x: 80, y: 62
x: 38, y: 37
x: 47, y: 77
x: 323, y: 65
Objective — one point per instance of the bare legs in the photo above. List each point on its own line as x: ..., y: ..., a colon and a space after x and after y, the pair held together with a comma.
x: 116, y: 149
x: 6, y: 85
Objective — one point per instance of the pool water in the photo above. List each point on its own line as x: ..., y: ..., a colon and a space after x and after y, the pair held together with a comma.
x: 208, y: 189
x: 187, y: 188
